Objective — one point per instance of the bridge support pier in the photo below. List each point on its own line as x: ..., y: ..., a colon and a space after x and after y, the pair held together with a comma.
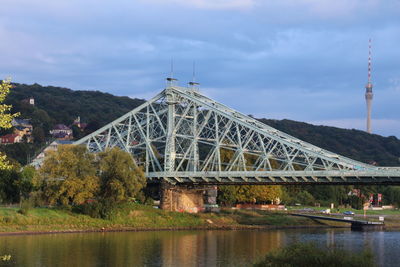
x: 185, y: 198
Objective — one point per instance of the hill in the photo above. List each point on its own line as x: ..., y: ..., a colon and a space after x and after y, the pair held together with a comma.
x: 356, y: 144
x: 61, y: 105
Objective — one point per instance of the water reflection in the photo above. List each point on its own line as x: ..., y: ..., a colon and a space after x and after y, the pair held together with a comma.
x: 182, y: 248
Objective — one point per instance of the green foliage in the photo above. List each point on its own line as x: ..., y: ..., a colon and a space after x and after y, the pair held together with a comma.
x: 61, y: 105
x: 120, y: 178
x: 73, y: 176
x: 68, y: 176
x: 356, y: 202
x: 309, y: 254
x: 9, y: 190
x: 304, y: 198
x: 226, y: 195
x: 5, y: 118
x: 16, y: 183
x: 391, y: 195
x: 102, y: 208
x: 26, y: 207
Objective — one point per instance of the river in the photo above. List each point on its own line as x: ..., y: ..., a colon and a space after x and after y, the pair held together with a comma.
x: 184, y: 248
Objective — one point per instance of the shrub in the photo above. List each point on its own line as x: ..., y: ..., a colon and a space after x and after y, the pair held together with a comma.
x: 26, y: 206
x: 97, y: 209
x: 309, y: 254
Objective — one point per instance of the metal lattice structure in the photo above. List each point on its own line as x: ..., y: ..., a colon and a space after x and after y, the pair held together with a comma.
x: 182, y: 136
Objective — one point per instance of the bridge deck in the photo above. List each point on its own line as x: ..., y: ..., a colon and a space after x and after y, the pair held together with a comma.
x: 386, y: 176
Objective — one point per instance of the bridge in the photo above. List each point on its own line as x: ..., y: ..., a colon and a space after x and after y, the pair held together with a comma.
x: 181, y: 137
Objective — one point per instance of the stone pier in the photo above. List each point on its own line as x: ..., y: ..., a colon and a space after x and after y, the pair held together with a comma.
x: 184, y: 198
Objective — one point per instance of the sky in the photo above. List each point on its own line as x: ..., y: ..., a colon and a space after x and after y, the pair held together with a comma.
x: 303, y: 60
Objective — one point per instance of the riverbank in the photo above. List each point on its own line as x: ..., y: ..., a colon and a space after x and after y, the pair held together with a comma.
x: 134, y: 217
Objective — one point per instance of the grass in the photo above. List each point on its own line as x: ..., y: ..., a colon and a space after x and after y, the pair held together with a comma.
x: 135, y: 216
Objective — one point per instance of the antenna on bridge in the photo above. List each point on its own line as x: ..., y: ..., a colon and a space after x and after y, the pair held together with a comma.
x: 171, y: 81
x: 193, y: 84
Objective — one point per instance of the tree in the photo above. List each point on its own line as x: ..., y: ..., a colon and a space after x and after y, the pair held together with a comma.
x: 5, y: 117
x: 120, y: 177
x: 305, y: 198
x: 227, y: 195
x: 25, y: 183
x: 68, y: 176
x: 258, y: 193
x: 9, y: 191
x: 38, y: 135
x: 267, y: 193
x: 77, y: 133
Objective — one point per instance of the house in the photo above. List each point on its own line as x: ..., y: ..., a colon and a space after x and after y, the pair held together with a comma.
x: 61, y: 131
x: 53, y: 146
x: 10, y: 138
x: 22, y: 122
x: 23, y: 128
x: 30, y: 101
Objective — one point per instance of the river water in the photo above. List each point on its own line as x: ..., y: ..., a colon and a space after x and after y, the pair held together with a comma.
x: 184, y: 248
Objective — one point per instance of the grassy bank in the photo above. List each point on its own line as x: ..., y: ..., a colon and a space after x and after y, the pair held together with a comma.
x: 141, y: 217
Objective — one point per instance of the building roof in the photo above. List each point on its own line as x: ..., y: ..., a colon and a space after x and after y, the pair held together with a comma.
x: 64, y: 142
x: 60, y: 135
x: 16, y: 122
x: 61, y: 127
x: 21, y: 128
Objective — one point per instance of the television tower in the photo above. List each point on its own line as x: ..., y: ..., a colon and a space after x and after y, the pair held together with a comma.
x: 368, y: 90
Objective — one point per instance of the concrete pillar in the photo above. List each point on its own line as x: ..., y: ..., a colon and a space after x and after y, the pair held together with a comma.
x: 181, y: 198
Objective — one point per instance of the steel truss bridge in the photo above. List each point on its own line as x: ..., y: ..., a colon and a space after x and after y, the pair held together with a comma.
x: 181, y: 136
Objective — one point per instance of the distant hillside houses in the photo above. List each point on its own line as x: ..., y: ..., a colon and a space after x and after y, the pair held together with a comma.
x: 10, y: 139
x: 62, y: 132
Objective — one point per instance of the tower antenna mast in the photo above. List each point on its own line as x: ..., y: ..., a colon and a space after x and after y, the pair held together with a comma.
x: 368, y: 89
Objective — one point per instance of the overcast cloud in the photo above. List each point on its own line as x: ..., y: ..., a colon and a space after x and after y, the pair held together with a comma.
x: 303, y: 60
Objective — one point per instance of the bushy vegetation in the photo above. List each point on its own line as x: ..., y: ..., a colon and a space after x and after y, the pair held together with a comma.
x: 310, y: 254
x: 230, y: 194
x: 5, y: 118
x: 72, y: 176
x: 16, y: 184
